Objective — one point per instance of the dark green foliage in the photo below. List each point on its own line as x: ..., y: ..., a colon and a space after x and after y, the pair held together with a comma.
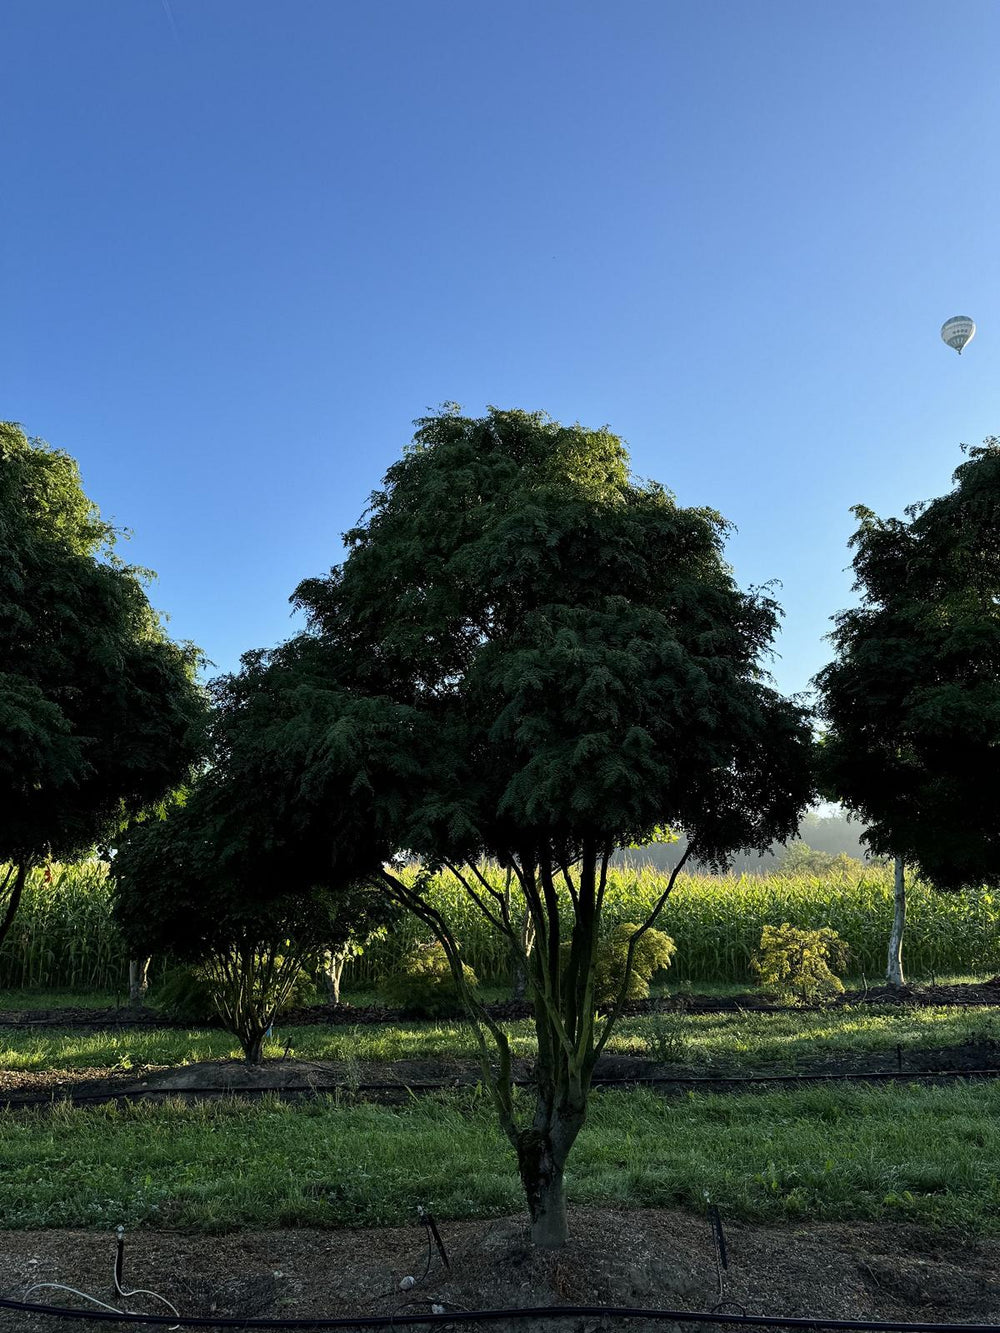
x: 530, y: 658
x: 190, y: 995
x: 184, y: 995
x: 424, y: 986
x: 238, y: 880
x: 100, y: 715
x: 563, y: 649
x: 912, y: 700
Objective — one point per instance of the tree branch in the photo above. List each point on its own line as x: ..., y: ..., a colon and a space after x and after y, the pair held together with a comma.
x: 634, y: 939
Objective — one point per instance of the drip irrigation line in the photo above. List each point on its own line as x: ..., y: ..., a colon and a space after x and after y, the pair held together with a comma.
x: 639, y: 1080
x: 511, y: 1315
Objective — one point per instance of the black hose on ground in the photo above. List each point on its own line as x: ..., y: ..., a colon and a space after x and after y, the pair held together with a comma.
x: 511, y: 1316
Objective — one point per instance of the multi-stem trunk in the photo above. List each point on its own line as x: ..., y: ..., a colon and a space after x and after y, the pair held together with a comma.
x: 894, y: 969
x: 560, y: 968
x: 332, y: 969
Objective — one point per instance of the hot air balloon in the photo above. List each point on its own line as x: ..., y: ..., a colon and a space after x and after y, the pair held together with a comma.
x: 958, y: 331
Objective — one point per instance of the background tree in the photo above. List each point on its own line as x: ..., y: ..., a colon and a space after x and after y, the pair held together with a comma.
x: 100, y: 714
x: 912, y: 699
x: 531, y: 658
x: 239, y: 879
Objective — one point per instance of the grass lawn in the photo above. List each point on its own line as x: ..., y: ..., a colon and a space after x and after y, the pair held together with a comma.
x: 714, y: 1042
x: 900, y: 1152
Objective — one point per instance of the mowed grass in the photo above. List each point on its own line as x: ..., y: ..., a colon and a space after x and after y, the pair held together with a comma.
x: 897, y: 1153
x: 731, y: 1042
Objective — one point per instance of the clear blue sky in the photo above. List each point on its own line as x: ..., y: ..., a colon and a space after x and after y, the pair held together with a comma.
x: 246, y: 243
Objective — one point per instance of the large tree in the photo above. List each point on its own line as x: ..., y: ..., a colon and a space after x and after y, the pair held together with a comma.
x: 530, y: 658
x: 912, y: 699
x: 100, y: 712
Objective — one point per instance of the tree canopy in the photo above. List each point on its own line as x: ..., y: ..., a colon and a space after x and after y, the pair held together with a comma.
x: 238, y: 876
x: 912, y: 699
x: 530, y: 657
x: 566, y: 649
x: 99, y: 711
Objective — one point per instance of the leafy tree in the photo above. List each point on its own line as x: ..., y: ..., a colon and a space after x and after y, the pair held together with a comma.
x: 532, y: 658
x: 798, y: 858
x: 912, y: 699
x: 99, y: 711
x: 238, y: 879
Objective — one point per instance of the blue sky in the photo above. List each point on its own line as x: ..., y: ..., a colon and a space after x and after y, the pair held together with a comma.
x: 246, y: 243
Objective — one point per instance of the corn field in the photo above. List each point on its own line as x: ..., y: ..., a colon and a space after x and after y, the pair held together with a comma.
x: 716, y: 923
x: 63, y: 935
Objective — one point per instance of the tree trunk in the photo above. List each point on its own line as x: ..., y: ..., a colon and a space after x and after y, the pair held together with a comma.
x: 332, y: 968
x: 522, y: 958
x: 894, y: 970
x: 520, y: 987
x: 138, y: 981
x: 541, y: 1166
x: 253, y: 1046
x: 13, y: 900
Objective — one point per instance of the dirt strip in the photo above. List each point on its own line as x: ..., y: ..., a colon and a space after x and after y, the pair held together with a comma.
x: 650, y: 1258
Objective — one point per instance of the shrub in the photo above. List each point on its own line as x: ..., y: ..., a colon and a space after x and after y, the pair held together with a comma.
x: 192, y: 994
x: 665, y: 1041
x: 654, y: 951
x: 423, y: 986
x: 800, y: 964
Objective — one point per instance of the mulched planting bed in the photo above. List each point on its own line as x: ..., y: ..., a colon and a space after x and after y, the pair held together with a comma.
x: 649, y: 1258
x: 970, y: 994
x: 389, y: 1081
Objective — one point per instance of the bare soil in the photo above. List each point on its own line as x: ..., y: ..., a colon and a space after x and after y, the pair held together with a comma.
x: 652, y: 1259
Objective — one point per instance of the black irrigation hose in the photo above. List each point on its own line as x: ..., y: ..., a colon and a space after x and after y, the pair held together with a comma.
x: 642, y: 1080
x: 494, y: 1316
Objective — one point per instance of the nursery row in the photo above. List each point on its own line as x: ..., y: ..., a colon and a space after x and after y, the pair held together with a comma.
x: 64, y: 937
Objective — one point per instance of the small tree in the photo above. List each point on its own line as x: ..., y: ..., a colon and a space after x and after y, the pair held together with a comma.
x: 100, y: 714
x: 912, y: 699
x: 804, y: 964
x: 237, y: 878
x: 530, y: 658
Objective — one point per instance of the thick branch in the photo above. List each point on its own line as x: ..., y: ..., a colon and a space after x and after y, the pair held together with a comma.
x: 500, y: 1083
x: 503, y: 926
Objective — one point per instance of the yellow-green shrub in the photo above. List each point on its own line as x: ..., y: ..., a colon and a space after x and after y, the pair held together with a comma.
x: 800, y: 964
x: 653, y: 952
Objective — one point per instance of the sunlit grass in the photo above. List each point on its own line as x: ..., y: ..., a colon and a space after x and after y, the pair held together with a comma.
x: 727, y: 1041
